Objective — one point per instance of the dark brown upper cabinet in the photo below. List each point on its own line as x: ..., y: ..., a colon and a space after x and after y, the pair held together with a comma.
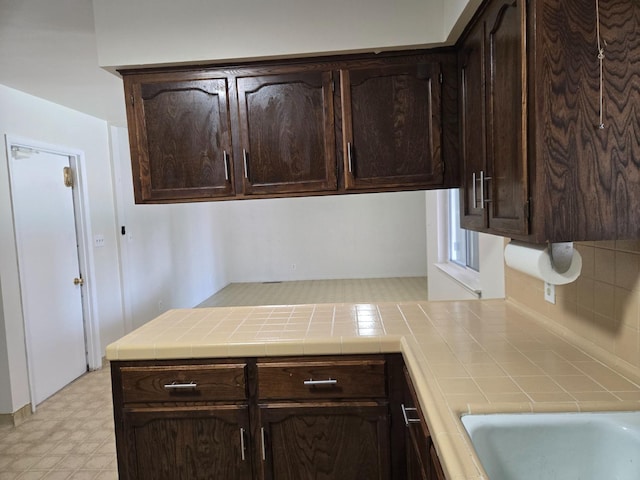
x: 392, y: 126
x: 473, y: 131
x: 277, y: 129
x: 492, y: 66
x: 287, y: 133
x: 549, y: 145
x: 180, y: 136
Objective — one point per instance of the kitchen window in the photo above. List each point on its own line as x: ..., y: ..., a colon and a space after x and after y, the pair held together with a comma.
x: 463, y: 244
x: 458, y: 249
x: 460, y: 264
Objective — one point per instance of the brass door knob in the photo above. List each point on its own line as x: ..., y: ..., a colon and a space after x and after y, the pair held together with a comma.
x: 78, y: 281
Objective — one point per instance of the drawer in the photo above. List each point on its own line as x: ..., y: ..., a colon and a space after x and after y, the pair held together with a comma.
x: 183, y: 383
x: 312, y: 379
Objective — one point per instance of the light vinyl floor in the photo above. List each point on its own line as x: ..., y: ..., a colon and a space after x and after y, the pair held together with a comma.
x: 369, y: 290
x: 69, y: 437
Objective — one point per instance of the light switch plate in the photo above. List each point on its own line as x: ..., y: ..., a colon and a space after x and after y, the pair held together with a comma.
x: 98, y: 241
x: 550, y: 292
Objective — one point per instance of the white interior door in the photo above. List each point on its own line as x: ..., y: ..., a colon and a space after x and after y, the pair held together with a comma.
x: 47, y: 247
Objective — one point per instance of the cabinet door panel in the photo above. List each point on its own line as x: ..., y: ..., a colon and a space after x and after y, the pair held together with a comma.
x: 507, y: 154
x: 473, y: 132
x: 418, y: 437
x: 347, y: 442
x: 287, y: 129
x: 392, y: 126
x: 187, y: 443
x: 183, y: 138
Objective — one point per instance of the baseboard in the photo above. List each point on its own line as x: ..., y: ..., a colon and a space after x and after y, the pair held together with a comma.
x: 16, y: 418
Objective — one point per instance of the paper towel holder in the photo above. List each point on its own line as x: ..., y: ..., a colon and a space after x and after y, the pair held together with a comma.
x: 554, y: 263
x: 561, y: 254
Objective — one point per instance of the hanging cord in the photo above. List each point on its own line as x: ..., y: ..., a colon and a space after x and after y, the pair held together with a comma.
x: 601, y: 45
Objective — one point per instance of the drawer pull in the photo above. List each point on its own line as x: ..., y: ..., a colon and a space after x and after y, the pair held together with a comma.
x: 180, y: 386
x: 408, y: 420
x: 264, y: 448
x: 311, y: 382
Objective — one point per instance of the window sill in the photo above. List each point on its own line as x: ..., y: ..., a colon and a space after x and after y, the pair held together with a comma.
x: 466, y: 277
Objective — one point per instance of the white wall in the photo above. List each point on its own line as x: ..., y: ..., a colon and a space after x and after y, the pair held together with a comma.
x: 344, y: 236
x: 173, y: 256
x: 178, y: 255
x: 166, y: 31
x: 30, y: 117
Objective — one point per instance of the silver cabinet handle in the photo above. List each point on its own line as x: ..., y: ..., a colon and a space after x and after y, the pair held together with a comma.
x: 225, y: 159
x: 482, y: 180
x: 246, y: 169
x: 264, y: 451
x: 242, y: 445
x: 311, y: 382
x: 475, y: 198
x: 180, y: 386
x: 408, y: 420
x: 350, y: 156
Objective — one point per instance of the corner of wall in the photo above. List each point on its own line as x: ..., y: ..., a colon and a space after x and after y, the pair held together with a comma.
x: 601, y: 307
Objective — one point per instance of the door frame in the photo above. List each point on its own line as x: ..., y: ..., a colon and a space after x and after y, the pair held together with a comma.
x: 85, y: 252
x: 121, y: 168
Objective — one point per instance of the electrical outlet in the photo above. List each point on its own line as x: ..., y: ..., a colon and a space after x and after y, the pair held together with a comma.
x: 550, y: 292
x: 98, y: 241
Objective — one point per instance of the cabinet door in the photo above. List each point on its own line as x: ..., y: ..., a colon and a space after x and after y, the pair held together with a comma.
x: 418, y: 438
x: 348, y: 441
x: 416, y: 469
x: 287, y: 133
x: 507, y: 125
x: 471, y: 61
x: 437, y: 473
x: 392, y: 126
x: 186, y: 443
x: 180, y: 137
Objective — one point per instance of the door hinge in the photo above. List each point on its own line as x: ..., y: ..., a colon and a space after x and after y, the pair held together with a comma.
x: 441, y: 78
x: 68, y: 177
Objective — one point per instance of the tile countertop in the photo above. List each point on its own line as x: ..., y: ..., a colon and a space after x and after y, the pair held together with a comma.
x: 464, y: 357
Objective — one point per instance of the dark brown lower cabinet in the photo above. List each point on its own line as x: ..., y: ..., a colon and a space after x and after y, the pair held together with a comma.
x: 437, y: 473
x: 422, y: 462
x: 170, y: 443
x: 418, y: 465
x: 416, y: 468
x: 287, y: 418
x: 325, y: 441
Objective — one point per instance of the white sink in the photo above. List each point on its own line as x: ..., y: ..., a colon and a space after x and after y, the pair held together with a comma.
x: 557, y: 446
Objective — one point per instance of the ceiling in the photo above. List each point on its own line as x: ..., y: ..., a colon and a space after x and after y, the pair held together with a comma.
x: 48, y: 49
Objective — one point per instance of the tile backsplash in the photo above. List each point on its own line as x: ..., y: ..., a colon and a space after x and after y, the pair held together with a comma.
x: 602, y: 306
